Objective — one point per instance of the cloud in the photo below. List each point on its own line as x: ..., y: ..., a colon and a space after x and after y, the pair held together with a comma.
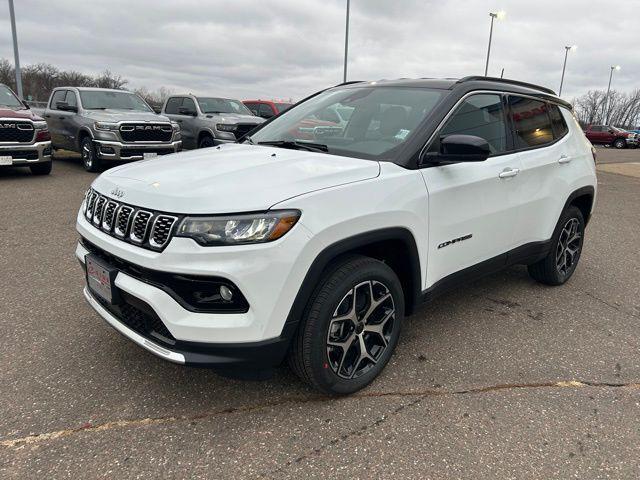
x: 291, y: 48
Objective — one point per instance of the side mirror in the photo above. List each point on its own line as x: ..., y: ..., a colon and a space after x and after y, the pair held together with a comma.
x: 611, y: 130
x: 65, y: 107
x: 187, y: 111
x: 460, y: 148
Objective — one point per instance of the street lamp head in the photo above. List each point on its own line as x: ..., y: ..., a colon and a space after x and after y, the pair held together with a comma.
x: 571, y: 48
x: 615, y: 67
x: 500, y: 15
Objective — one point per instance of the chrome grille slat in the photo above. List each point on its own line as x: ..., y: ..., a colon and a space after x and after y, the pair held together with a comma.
x: 145, y: 228
x: 140, y: 226
x: 99, y: 210
x: 161, y: 230
x: 109, y: 216
x: 123, y: 220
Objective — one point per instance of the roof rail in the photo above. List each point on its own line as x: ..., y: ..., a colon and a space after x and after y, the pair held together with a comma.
x: 506, y: 80
x: 349, y: 82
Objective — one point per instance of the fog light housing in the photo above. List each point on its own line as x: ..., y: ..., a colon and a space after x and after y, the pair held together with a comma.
x: 107, y: 150
x: 225, y: 293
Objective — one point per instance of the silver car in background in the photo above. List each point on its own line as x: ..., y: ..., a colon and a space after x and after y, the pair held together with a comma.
x: 209, y: 121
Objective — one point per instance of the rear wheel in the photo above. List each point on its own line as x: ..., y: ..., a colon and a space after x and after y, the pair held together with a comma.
x: 41, y: 168
x: 620, y: 143
x: 90, y: 160
x: 351, y: 326
x: 558, y: 266
x: 206, y: 141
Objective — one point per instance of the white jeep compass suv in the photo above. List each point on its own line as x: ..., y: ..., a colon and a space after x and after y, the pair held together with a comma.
x: 311, y: 240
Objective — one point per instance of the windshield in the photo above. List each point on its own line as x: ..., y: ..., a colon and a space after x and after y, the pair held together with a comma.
x: 8, y: 99
x: 222, y: 105
x: 363, y: 122
x: 102, y: 100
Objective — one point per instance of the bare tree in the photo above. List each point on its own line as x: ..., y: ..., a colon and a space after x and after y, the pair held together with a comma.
x: 622, y: 109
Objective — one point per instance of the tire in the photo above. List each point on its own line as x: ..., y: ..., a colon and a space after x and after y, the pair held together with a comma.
x: 620, y: 143
x: 41, y: 168
x: 206, y: 141
x: 316, y: 355
x: 90, y: 160
x: 558, y: 266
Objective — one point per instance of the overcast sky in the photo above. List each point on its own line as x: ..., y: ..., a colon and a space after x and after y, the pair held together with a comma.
x: 291, y: 48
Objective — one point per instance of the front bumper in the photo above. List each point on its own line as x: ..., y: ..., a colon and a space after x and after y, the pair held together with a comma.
x: 632, y: 142
x: 22, y: 155
x: 110, y: 150
x: 268, y: 275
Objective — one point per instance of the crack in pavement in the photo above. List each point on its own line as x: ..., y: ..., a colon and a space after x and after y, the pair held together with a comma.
x: 420, y: 394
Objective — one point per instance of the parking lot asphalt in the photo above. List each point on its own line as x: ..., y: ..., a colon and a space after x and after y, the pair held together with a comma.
x: 502, y: 378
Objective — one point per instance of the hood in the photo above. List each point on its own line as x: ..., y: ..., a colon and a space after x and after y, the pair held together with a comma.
x: 235, y: 118
x: 19, y: 114
x: 124, y: 116
x: 233, y: 178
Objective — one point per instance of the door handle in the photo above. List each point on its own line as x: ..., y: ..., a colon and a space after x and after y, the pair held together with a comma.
x: 564, y: 159
x: 61, y: 118
x: 509, y: 172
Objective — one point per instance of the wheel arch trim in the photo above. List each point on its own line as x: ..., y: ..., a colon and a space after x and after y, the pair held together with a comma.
x: 345, y: 246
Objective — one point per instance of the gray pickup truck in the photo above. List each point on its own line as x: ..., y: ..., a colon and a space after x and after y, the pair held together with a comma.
x: 209, y: 121
x: 108, y: 125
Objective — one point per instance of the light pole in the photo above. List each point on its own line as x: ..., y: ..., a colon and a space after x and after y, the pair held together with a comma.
x: 606, y: 99
x: 567, y: 49
x: 499, y: 15
x: 16, y: 56
x: 346, y: 42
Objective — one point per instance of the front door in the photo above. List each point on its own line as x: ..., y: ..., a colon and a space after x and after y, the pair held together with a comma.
x: 473, y: 206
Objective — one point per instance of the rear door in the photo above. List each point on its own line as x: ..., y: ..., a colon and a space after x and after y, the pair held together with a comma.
x: 540, y: 136
x: 54, y: 118
x: 68, y: 128
x: 473, y: 206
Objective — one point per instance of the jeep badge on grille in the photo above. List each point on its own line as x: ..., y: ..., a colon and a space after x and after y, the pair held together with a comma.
x: 116, y: 192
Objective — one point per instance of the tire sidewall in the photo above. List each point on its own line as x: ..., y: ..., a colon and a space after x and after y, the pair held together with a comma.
x: 569, y: 213
x: 206, y: 142
x: 88, y: 143
x: 619, y: 143
x: 319, y: 362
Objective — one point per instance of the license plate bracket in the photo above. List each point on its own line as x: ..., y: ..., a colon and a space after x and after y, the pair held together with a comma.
x: 101, y: 279
x: 147, y: 155
x: 6, y: 160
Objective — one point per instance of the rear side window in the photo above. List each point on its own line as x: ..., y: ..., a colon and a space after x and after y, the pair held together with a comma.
x: 57, y: 97
x: 531, y: 122
x: 560, y: 127
x: 480, y: 115
x: 189, y: 103
x: 172, y: 105
x: 265, y: 109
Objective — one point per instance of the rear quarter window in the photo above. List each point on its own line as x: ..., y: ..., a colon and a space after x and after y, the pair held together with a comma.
x: 560, y: 127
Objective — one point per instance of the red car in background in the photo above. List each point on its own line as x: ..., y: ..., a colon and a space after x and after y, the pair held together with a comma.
x: 608, y: 135
x: 266, y: 108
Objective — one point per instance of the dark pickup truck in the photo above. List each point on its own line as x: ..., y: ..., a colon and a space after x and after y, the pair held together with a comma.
x: 607, y: 135
x: 108, y: 125
x: 24, y: 137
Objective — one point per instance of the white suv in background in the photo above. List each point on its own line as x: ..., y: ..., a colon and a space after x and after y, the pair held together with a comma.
x: 239, y: 256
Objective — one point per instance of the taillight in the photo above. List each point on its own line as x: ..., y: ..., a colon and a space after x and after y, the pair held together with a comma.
x: 43, y: 136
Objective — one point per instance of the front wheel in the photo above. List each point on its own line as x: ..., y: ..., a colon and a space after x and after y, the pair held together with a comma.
x: 206, y: 142
x: 41, y: 168
x: 620, y: 143
x: 90, y: 160
x: 351, y: 326
x: 566, y: 247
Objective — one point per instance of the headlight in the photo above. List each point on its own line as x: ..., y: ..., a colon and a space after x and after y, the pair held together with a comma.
x: 226, y: 127
x: 40, y: 125
x: 240, y: 229
x: 105, y: 126
x: 175, y: 126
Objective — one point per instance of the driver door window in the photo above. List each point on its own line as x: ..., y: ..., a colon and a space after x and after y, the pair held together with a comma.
x: 480, y: 115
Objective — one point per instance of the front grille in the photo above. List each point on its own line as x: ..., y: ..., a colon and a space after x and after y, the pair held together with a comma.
x: 12, y: 131
x: 145, y: 228
x: 21, y: 154
x: 139, y: 152
x: 244, y: 128
x: 146, y: 132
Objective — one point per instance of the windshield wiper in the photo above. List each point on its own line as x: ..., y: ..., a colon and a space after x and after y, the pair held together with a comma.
x: 295, y: 145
